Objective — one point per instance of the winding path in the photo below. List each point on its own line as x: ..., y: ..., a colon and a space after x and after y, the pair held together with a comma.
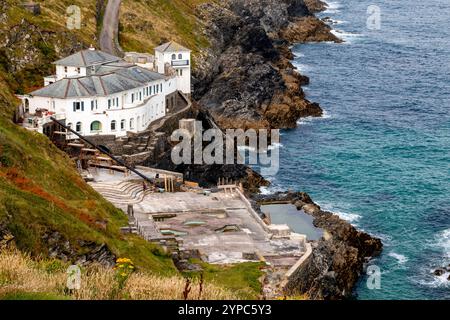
x: 109, y: 35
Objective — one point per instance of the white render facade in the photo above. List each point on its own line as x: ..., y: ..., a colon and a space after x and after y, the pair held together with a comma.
x: 99, y: 94
x: 177, y: 57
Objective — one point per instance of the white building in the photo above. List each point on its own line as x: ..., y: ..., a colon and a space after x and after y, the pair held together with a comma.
x: 96, y: 93
x: 173, y: 55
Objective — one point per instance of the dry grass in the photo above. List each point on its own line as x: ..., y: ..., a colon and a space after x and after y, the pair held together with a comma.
x: 21, y: 276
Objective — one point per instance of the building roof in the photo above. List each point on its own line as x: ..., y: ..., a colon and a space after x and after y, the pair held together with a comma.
x: 87, y: 58
x: 171, y: 46
x: 109, y: 79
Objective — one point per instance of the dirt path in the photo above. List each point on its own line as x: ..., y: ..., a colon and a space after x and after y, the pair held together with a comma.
x: 108, y: 36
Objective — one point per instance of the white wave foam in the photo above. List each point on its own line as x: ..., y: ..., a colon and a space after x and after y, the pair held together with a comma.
x: 271, y: 190
x: 332, y: 7
x: 427, y: 277
x: 347, y: 37
x: 306, y: 120
x: 434, y: 281
x: 338, y: 21
x: 302, y: 68
x: 443, y: 241
x: 347, y: 216
x: 275, y: 146
x: 401, y: 259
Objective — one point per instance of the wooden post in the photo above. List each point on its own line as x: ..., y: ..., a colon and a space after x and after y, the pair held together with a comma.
x: 130, y: 210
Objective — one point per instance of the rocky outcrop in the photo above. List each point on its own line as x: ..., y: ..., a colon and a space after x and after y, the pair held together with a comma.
x: 337, y: 260
x: 247, y: 79
x: 80, y: 252
x: 315, y: 5
x: 27, y: 49
x: 208, y: 175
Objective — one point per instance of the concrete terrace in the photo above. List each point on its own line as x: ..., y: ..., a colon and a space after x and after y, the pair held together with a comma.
x: 221, y: 226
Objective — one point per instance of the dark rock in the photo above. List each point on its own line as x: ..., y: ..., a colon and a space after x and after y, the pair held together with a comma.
x: 337, y: 262
x: 246, y: 80
x: 79, y: 252
x: 439, y: 272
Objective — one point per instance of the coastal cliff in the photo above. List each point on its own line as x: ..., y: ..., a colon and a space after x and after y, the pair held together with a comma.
x: 247, y: 79
x: 338, y: 258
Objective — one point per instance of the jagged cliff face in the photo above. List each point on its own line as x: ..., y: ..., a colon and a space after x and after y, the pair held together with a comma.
x: 247, y: 80
x: 30, y: 43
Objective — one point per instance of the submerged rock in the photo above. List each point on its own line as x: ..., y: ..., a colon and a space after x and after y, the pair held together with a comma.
x: 439, y: 272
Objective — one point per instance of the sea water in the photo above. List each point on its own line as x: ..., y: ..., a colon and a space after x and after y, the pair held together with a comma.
x: 380, y: 157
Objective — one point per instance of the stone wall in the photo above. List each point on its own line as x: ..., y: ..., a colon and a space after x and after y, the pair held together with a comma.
x: 292, y: 283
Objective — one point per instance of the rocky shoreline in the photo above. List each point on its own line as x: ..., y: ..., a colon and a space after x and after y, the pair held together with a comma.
x: 248, y: 81
x: 246, y: 78
x: 338, y: 258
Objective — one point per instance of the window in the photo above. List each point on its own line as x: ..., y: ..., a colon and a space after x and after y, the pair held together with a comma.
x: 180, y: 56
x: 160, y: 86
x: 92, y: 105
x: 132, y: 124
x: 93, y: 68
x: 109, y: 103
x: 78, y: 127
x: 122, y: 125
x: 117, y: 102
x: 65, y: 69
x: 140, y: 96
x: 78, y: 70
x: 174, y: 56
x: 96, y: 126
x: 69, y: 125
x: 132, y: 97
x: 150, y: 90
x: 77, y: 106
x: 181, y: 72
x: 113, y: 125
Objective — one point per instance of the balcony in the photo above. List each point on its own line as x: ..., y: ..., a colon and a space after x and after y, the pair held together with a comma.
x: 180, y: 63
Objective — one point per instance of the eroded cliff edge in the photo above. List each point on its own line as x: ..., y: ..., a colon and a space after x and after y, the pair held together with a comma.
x: 246, y: 79
x: 337, y: 260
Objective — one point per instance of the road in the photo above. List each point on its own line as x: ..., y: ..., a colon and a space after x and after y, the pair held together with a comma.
x: 108, y: 36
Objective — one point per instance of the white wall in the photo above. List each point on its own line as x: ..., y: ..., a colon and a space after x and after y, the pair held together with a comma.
x: 183, y: 72
x: 137, y: 114
x: 64, y: 72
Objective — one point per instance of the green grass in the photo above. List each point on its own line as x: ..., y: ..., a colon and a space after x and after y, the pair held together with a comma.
x: 165, y: 21
x: 41, y: 192
x: 243, y: 278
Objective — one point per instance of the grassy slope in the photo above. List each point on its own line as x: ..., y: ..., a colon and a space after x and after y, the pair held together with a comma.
x: 40, y: 190
x: 22, y: 278
x: 145, y: 24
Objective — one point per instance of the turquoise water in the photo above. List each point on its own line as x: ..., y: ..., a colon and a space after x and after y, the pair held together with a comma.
x: 380, y: 156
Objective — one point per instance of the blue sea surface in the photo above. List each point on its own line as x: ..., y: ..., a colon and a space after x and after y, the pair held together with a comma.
x: 380, y: 157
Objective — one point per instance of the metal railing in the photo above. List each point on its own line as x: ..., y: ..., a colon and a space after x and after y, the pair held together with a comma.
x: 102, y: 150
x: 178, y: 63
